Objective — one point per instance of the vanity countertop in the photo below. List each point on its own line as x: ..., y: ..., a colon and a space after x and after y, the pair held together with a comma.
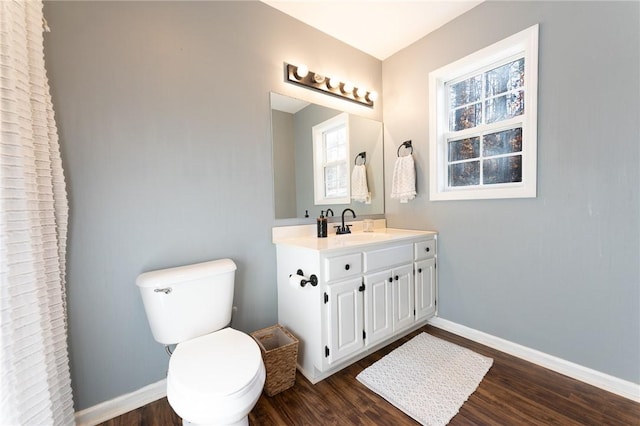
x: 358, y: 238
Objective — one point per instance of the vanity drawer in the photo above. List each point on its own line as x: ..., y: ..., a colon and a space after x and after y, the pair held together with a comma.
x: 386, y: 257
x: 339, y: 267
x: 425, y: 249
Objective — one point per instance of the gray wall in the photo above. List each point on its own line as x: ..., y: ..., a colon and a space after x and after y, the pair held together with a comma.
x: 558, y: 273
x: 284, y: 163
x: 163, y: 114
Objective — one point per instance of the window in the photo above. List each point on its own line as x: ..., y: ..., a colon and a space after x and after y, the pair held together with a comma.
x: 332, y: 183
x: 483, y: 122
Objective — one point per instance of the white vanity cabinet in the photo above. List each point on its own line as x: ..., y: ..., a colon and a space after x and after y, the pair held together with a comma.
x: 371, y: 290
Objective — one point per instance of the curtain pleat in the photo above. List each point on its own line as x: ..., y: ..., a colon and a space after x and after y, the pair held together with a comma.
x: 35, y: 385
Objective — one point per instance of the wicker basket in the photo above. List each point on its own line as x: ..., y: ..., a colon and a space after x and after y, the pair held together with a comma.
x: 279, y: 352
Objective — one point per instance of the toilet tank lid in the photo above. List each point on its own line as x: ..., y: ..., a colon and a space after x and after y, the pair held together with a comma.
x: 163, y: 277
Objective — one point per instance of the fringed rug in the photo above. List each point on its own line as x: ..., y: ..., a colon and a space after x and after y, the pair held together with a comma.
x: 427, y: 378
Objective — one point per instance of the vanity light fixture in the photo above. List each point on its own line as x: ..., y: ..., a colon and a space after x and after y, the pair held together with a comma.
x: 301, y: 75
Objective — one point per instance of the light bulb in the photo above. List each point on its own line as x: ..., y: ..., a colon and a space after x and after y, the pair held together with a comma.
x: 301, y: 71
x: 361, y: 92
x: 333, y: 82
x: 318, y: 78
x: 372, y: 96
x: 347, y: 87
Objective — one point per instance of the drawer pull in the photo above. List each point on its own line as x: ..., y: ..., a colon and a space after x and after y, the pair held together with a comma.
x: 346, y: 267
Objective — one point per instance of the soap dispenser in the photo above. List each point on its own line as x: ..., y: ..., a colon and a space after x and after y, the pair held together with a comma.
x: 322, y: 225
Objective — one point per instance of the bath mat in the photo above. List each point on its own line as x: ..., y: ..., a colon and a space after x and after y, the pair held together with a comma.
x: 428, y: 378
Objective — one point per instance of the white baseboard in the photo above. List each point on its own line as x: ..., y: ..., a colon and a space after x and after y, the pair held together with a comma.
x: 122, y: 404
x: 609, y: 383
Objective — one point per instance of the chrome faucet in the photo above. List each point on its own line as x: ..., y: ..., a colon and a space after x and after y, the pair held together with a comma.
x: 344, y: 229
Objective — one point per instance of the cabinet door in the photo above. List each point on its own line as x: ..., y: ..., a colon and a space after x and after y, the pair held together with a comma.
x: 403, y: 304
x: 378, y: 306
x: 345, y: 304
x: 425, y: 288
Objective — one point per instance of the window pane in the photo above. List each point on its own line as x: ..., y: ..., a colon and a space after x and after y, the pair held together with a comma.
x: 465, y: 92
x: 335, y: 144
x: 335, y: 180
x: 464, y: 174
x: 506, y: 77
x: 504, y: 107
x: 464, y: 149
x: 504, y: 142
x: 502, y: 170
x: 466, y: 117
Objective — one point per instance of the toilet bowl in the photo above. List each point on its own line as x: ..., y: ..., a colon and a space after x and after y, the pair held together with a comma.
x: 216, y: 373
x: 215, y: 379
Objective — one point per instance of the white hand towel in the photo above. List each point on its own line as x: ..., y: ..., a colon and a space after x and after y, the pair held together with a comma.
x: 403, y: 184
x: 359, y: 188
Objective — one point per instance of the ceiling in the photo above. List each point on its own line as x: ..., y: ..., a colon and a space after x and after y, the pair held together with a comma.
x: 377, y: 27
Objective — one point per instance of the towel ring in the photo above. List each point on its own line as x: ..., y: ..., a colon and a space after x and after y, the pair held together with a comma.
x: 362, y: 155
x: 406, y: 144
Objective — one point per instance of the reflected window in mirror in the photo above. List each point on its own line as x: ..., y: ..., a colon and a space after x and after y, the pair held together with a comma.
x: 292, y: 121
x: 331, y: 161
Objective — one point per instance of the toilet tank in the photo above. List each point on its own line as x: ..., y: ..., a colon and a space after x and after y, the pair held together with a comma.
x: 188, y: 301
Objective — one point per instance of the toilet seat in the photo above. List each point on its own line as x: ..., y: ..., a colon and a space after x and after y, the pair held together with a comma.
x: 216, y: 378
x: 217, y: 364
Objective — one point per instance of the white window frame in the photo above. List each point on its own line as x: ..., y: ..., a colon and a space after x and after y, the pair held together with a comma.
x: 521, y: 45
x: 319, y: 164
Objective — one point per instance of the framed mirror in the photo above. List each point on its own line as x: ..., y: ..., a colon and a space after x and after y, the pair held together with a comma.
x: 301, y: 172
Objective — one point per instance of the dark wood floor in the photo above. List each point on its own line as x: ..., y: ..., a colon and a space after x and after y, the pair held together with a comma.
x: 514, y: 392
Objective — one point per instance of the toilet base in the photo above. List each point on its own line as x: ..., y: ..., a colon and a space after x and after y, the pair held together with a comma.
x: 242, y: 422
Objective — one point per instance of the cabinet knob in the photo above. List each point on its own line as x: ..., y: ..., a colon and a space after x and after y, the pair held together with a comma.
x: 419, y: 270
x: 390, y: 279
x: 427, y: 249
x: 346, y: 267
x: 396, y: 278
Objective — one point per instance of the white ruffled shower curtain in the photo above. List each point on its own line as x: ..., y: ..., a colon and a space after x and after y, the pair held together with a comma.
x: 35, y: 385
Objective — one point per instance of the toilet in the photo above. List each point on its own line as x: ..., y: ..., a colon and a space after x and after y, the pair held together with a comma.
x: 216, y: 373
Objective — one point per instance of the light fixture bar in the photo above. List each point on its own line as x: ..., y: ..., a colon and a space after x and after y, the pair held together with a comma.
x: 301, y: 75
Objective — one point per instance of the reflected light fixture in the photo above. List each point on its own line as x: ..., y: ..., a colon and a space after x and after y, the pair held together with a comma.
x: 301, y: 75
